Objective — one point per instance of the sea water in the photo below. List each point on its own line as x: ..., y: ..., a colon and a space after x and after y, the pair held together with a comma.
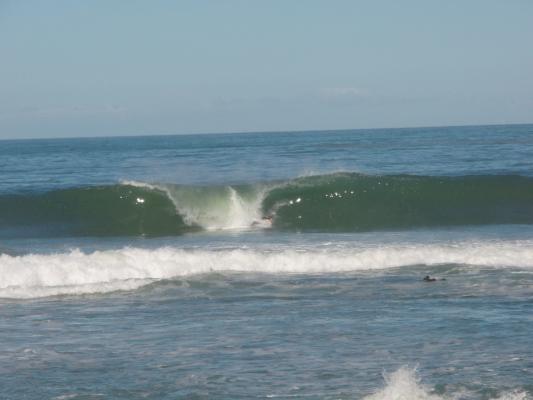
x: 269, y: 265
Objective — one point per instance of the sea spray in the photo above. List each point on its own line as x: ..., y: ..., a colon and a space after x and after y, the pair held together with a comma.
x: 403, y: 384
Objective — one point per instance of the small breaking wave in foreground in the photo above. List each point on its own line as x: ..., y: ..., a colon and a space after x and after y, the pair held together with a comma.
x: 405, y: 384
x: 75, y: 272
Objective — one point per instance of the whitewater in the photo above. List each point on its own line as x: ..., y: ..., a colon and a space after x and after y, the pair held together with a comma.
x: 75, y: 272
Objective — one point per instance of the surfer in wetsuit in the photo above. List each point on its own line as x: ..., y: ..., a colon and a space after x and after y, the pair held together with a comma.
x: 428, y: 278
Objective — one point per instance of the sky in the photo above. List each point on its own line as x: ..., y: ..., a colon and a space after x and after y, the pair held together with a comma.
x: 72, y: 68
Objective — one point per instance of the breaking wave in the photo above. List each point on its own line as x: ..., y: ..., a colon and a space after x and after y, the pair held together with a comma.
x: 75, y: 272
x: 342, y: 202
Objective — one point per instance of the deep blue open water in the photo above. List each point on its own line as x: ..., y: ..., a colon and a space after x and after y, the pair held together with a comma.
x: 269, y: 265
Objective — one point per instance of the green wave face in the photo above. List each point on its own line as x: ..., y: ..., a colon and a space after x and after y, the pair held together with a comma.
x: 94, y: 211
x: 328, y: 203
x: 354, y: 202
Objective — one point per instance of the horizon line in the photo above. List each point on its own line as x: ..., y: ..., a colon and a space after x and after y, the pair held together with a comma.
x: 244, y: 132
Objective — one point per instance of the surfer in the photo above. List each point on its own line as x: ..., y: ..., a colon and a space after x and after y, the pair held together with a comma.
x: 265, y: 222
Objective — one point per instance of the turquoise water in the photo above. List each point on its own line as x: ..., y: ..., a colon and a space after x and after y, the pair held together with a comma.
x: 269, y: 265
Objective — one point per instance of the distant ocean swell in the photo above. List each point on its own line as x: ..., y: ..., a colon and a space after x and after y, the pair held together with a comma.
x: 75, y: 272
x: 343, y: 202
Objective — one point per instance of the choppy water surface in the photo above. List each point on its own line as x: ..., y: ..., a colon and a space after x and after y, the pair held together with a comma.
x: 147, y: 268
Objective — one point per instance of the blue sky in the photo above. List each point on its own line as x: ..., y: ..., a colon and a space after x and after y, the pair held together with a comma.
x: 94, y: 68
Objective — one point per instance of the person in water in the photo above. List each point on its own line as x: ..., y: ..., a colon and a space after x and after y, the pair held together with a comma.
x: 267, y: 220
x: 428, y: 278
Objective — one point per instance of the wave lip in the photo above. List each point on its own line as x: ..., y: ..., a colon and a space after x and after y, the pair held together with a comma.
x: 38, y: 275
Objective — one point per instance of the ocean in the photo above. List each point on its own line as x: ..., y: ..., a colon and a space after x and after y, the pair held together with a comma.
x: 285, y: 265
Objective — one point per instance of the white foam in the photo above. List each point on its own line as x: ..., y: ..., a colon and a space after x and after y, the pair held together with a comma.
x: 514, y: 395
x: 38, y: 275
x: 405, y: 384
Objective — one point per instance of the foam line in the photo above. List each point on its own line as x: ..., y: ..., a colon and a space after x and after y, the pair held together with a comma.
x: 75, y: 272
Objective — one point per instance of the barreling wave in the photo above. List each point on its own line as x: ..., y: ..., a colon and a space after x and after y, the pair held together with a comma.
x: 75, y: 272
x: 342, y: 202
